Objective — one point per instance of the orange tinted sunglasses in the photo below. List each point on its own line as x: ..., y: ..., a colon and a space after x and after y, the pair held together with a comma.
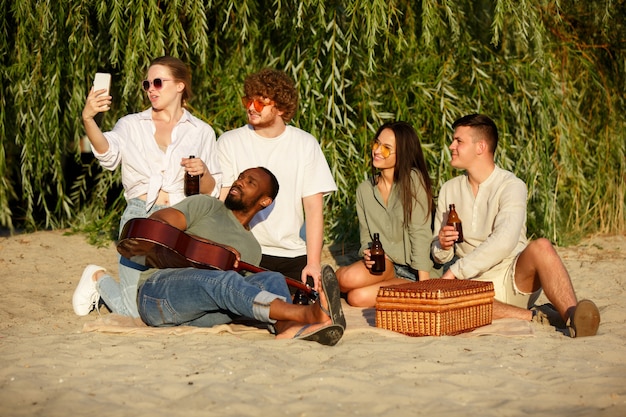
x: 258, y: 103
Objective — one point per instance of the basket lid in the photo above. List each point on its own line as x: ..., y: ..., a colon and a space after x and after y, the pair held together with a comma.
x: 436, y: 289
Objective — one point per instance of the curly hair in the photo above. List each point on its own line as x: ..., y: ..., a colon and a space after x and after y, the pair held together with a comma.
x: 275, y: 85
x: 180, y: 72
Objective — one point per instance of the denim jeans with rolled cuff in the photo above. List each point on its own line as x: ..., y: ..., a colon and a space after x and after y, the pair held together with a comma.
x: 207, y: 298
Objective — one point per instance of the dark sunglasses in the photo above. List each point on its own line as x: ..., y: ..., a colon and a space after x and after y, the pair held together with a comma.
x: 259, y: 104
x: 157, y: 83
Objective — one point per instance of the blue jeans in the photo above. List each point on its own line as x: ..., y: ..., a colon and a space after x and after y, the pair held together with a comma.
x: 121, y: 298
x: 207, y: 297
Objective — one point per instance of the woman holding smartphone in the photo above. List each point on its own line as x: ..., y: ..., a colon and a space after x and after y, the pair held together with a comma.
x: 396, y: 202
x: 153, y: 148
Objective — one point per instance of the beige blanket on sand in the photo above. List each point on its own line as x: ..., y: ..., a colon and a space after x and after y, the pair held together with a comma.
x: 357, y: 319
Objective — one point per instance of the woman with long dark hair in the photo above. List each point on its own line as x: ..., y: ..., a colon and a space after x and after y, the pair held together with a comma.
x: 397, y: 203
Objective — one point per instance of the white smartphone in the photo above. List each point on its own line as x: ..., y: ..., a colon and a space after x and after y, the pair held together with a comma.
x: 102, y: 80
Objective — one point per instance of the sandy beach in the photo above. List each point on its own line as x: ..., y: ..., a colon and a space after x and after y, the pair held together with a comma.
x: 54, y: 363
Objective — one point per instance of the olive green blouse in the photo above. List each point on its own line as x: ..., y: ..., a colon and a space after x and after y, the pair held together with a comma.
x: 404, y: 244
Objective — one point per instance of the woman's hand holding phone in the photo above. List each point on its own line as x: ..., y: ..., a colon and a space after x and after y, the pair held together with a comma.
x: 98, y: 99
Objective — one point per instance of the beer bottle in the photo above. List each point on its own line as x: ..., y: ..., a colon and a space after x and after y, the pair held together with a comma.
x: 454, y: 221
x: 192, y: 182
x: 300, y: 298
x: 377, y: 254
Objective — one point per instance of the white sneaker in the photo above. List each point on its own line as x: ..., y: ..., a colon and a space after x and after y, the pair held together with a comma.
x: 86, y: 295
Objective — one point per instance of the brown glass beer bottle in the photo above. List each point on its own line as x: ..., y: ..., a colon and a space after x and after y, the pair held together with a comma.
x: 377, y: 254
x: 455, y: 221
x: 192, y: 182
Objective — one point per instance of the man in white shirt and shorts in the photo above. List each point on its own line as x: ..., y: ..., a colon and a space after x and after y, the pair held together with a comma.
x: 491, y: 203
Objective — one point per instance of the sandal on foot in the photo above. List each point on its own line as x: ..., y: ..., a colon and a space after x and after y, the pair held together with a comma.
x: 330, y: 286
x: 585, y: 320
x: 327, y: 335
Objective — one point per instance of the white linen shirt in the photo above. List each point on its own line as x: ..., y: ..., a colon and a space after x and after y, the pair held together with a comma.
x: 146, y: 169
x: 494, y: 223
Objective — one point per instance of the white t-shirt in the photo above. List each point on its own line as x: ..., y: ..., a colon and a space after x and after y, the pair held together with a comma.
x: 146, y: 169
x: 297, y: 161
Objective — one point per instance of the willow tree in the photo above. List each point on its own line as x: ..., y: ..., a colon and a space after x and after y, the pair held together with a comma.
x: 550, y: 74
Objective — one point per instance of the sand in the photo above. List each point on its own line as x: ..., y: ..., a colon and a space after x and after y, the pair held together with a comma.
x: 51, y: 366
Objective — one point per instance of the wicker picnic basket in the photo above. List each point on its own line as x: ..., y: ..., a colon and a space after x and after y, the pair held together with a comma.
x: 435, y: 307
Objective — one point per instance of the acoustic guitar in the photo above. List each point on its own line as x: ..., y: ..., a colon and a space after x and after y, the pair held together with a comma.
x: 156, y: 244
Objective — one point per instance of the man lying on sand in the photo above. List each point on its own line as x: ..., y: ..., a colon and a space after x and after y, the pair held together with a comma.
x: 491, y: 202
x: 207, y: 297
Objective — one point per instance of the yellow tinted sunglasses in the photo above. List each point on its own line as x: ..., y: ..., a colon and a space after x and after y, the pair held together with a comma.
x: 385, y: 150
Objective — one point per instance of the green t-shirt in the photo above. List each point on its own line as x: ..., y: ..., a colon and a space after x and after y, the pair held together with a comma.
x: 208, y: 217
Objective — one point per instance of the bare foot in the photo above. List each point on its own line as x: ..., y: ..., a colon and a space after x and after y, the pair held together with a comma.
x: 320, y: 307
x: 314, y: 317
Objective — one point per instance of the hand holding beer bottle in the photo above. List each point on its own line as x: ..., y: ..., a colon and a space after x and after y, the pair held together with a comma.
x: 377, y: 255
x: 455, y: 221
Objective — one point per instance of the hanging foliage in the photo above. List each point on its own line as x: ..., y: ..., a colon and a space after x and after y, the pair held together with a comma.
x: 550, y: 74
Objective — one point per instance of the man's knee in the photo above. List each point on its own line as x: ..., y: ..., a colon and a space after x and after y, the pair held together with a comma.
x: 541, y: 247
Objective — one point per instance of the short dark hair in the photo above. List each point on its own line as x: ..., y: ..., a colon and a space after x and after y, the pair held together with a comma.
x: 275, y: 85
x: 273, y: 183
x: 180, y: 72
x: 484, y: 125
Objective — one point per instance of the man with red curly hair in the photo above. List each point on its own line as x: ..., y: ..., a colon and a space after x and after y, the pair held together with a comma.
x: 295, y: 157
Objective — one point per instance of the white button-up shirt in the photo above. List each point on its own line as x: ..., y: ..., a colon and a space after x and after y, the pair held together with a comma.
x: 146, y: 169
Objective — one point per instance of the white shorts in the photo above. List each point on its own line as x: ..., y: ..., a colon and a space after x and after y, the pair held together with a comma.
x: 503, y: 278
